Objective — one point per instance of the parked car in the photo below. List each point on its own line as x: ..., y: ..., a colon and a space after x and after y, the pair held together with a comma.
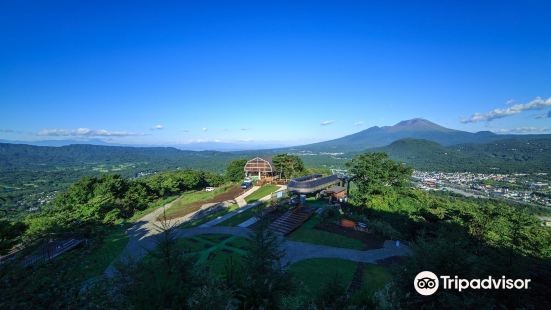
x: 209, y: 189
x: 246, y: 184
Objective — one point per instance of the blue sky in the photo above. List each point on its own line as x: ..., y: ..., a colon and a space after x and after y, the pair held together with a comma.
x: 280, y: 72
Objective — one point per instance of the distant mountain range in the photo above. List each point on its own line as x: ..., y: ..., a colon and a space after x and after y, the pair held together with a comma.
x: 372, y: 137
x: 418, y: 142
x: 416, y: 128
x: 59, y: 142
x: 196, y: 146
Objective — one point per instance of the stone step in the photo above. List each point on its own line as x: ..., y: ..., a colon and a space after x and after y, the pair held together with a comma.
x: 291, y: 220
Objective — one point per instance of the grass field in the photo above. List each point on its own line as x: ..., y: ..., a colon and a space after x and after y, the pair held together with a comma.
x: 91, y: 262
x: 215, y: 250
x: 307, y: 233
x: 314, y: 273
x: 316, y: 203
x: 152, y: 207
x: 209, y: 217
x: 242, y: 217
x: 191, y: 201
x: 375, y: 277
x: 263, y: 191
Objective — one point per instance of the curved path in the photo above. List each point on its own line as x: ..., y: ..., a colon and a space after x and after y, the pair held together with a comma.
x: 142, y: 238
x: 295, y: 251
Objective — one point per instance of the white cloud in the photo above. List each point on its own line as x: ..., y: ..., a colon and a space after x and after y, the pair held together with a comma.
x: 204, y: 141
x: 204, y: 129
x: 359, y: 123
x: 245, y: 129
x: 246, y: 140
x: 537, y: 104
x: 325, y: 123
x: 13, y: 131
x: 523, y: 130
x: 85, y: 132
x: 158, y: 127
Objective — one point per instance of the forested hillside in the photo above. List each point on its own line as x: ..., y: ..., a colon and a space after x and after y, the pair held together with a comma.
x: 17, y: 156
x: 448, y: 235
x: 503, y: 156
x: 30, y: 174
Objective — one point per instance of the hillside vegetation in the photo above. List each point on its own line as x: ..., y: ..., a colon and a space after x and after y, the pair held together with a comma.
x: 503, y: 156
x: 448, y: 235
x: 32, y: 173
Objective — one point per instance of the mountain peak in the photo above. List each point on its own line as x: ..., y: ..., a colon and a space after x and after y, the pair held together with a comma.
x: 418, y: 124
x: 415, y: 122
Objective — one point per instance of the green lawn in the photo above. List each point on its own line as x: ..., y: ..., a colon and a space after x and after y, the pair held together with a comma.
x: 152, y: 206
x: 215, y: 250
x: 241, y: 217
x: 314, y: 273
x: 92, y: 261
x: 375, y: 277
x: 307, y: 233
x: 218, y: 263
x: 263, y: 191
x: 203, y: 220
x: 193, y: 245
x: 316, y: 203
x: 239, y: 243
x: 183, y: 205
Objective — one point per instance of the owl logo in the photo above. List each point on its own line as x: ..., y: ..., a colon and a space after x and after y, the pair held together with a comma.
x: 426, y: 283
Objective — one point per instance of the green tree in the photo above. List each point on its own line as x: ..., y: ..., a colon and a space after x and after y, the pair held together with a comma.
x: 10, y: 233
x: 377, y: 174
x: 234, y: 171
x: 265, y: 280
x: 288, y: 166
x: 332, y: 295
x: 212, y: 179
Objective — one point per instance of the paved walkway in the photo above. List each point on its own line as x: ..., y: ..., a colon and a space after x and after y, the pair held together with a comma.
x: 241, y: 198
x: 140, y: 234
x: 228, y: 215
x: 243, y: 206
x: 142, y: 238
x: 295, y: 251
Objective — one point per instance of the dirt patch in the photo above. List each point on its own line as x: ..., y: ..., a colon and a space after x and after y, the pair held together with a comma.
x: 230, y: 194
x: 370, y: 240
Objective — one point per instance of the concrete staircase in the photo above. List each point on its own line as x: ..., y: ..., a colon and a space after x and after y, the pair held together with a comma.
x: 291, y: 220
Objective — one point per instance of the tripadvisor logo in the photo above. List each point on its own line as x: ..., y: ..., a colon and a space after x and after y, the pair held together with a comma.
x: 427, y: 283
